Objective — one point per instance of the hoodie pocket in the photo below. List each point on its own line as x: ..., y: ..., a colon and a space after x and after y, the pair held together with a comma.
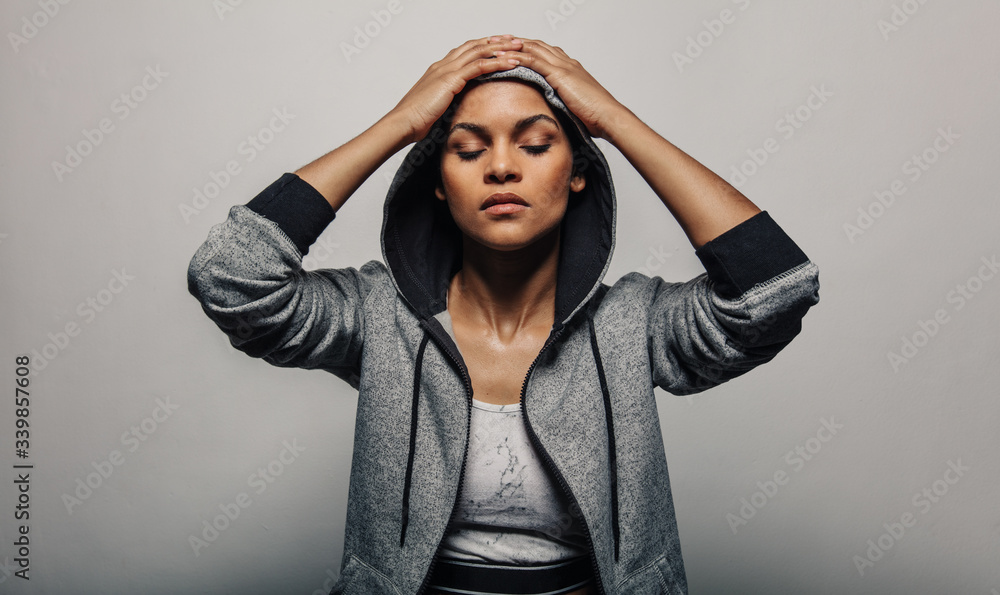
x: 358, y: 578
x: 673, y: 581
x: 658, y: 578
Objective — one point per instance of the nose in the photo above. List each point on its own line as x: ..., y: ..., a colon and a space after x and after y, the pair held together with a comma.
x: 501, y: 165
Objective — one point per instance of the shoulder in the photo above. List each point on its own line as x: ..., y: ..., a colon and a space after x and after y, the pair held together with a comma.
x: 630, y: 289
x: 628, y: 298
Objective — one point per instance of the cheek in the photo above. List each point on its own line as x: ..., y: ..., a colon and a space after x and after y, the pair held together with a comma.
x: 555, y: 176
x: 455, y: 188
x: 455, y: 177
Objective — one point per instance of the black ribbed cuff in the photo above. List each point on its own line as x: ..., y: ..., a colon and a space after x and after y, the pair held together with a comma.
x: 750, y: 253
x: 298, y: 209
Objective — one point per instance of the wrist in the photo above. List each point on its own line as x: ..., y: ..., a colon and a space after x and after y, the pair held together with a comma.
x: 619, y: 124
x: 395, y: 129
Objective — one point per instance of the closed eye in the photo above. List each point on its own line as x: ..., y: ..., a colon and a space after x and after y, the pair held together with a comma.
x: 473, y: 155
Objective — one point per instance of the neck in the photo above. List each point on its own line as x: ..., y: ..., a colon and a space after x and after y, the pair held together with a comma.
x: 507, y: 291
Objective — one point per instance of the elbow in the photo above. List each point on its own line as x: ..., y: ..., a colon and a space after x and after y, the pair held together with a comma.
x: 776, y: 318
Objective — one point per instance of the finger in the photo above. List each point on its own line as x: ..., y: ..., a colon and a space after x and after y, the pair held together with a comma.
x: 537, y: 44
x: 488, y: 48
x: 500, y: 37
x: 533, y: 60
x: 477, y: 60
x: 539, y: 59
x: 496, y: 40
x: 554, y: 50
x: 553, y: 55
x: 484, y: 65
x: 459, y: 58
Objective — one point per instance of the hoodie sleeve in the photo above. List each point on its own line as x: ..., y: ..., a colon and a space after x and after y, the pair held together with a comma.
x: 249, y: 279
x: 738, y: 315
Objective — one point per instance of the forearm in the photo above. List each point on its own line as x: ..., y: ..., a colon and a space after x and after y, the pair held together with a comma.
x: 340, y: 172
x: 703, y: 204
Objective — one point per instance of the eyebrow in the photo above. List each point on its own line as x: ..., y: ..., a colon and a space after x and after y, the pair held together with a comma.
x: 519, y: 127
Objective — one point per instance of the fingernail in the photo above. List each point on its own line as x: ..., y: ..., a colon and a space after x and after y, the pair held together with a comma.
x: 513, y: 61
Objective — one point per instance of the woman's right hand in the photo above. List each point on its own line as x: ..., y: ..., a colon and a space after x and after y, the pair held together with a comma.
x: 433, y: 93
x: 340, y: 172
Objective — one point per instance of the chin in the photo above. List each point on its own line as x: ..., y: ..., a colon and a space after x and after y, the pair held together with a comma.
x: 513, y: 241
x: 502, y: 244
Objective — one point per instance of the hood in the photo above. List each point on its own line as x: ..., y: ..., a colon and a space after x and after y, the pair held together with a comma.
x: 422, y: 246
x: 422, y: 250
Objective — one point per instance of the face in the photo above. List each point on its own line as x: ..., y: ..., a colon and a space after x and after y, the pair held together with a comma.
x: 507, y: 166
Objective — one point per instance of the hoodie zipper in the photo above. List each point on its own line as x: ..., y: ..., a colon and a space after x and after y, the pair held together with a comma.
x: 534, y: 440
x: 467, y: 381
x: 555, y: 471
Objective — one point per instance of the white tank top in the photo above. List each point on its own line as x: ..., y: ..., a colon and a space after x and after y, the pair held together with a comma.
x: 510, y: 509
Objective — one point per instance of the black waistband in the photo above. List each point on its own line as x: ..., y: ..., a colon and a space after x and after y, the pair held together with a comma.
x: 473, y: 578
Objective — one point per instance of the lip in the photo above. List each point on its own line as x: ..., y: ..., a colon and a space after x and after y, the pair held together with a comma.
x: 502, y: 198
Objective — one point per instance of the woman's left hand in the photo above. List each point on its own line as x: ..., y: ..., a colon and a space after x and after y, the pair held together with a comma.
x: 580, y: 91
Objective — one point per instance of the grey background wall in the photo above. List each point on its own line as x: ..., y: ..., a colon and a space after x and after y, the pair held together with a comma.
x: 862, y: 460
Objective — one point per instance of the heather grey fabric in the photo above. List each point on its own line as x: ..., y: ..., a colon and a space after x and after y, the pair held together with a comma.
x: 379, y: 328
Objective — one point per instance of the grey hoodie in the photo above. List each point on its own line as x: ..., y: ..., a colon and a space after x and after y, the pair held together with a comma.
x: 588, y: 399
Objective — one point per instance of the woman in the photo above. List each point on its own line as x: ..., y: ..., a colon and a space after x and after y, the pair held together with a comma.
x: 507, y: 439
